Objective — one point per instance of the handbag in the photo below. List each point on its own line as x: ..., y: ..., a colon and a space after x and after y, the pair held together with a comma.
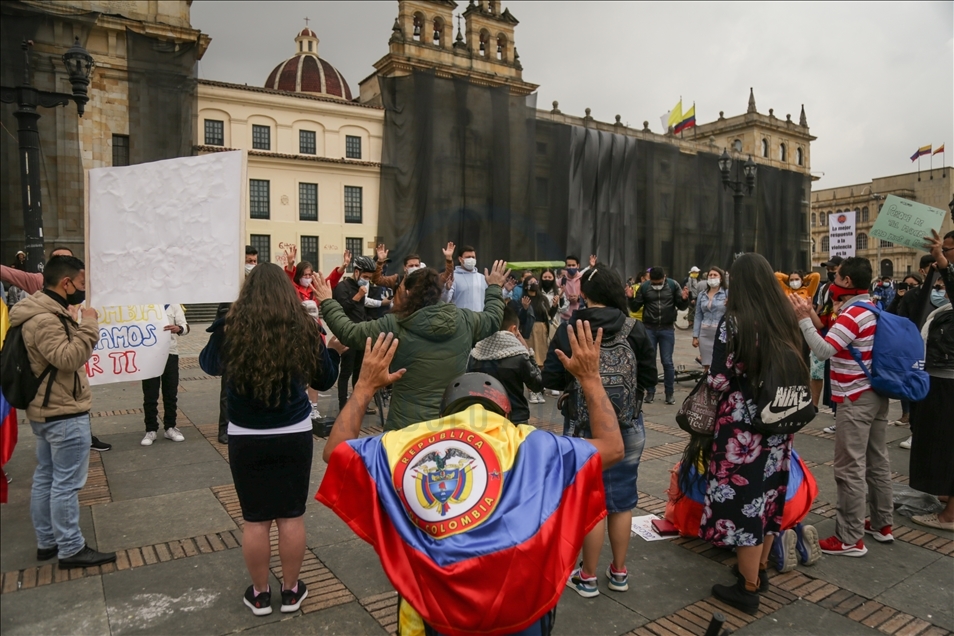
x: 698, y: 412
x: 783, y: 408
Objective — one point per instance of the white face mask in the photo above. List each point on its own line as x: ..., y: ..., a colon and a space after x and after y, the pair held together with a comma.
x: 363, y: 282
x: 470, y: 264
x: 795, y: 284
x: 306, y: 281
x: 248, y: 268
x: 414, y: 268
x: 657, y: 287
x: 714, y: 282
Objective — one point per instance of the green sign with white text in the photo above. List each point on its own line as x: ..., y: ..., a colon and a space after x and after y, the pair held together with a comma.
x: 904, y: 222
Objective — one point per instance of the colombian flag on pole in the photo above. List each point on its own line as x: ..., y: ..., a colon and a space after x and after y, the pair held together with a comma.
x: 688, y: 121
x: 923, y: 150
x: 464, y: 511
x: 8, y: 416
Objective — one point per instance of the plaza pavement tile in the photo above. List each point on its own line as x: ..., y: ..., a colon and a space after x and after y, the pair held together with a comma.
x: 802, y: 617
x: 350, y: 618
x: 72, y: 607
x: 927, y: 593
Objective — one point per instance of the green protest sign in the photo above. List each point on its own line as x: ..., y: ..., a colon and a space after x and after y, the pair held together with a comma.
x: 904, y: 222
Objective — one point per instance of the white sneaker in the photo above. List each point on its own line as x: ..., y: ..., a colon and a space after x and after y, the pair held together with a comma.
x: 555, y: 393
x: 829, y: 429
x: 315, y: 414
x: 906, y: 444
x: 533, y: 398
x: 149, y: 438
x: 174, y: 434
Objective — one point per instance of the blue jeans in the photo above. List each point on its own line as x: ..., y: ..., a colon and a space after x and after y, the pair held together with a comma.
x: 62, y: 455
x: 619, y: 481
x: 664, y: 338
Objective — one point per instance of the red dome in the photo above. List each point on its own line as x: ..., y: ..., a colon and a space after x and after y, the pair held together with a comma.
x: 305, y: 72
x: 307, y: 33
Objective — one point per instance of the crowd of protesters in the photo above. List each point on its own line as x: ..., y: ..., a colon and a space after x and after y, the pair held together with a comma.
x: 458, y: 342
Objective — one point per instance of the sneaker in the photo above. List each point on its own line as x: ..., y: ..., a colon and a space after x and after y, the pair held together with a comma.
x: 670, y: 399
x: 260, y: 604
x: 786, y: 558
x: 903, y: 421
x: 315, y: 413
x: 97, y: 445
x: 829, y: 429
x: 533, y: 398
x: 649, y: 398
x: 174, y: 434
x: 555, y: 393
x: 906, y: 444
x: 617, y: 581
x: 291, y: 601
x: 149, y: 438
x: 737, y: 596
x: 371, y: 410
x: 541, y: 399
x: 883, y: 536
x: 833, y: 545
x: 584, y: 587
x: 45, y: 554
x: 763, y: 577
x: 86, y: 558
x: 809, y: 551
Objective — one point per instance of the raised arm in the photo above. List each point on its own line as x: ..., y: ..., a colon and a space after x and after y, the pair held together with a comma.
x: 488, y: 321
x: 352, y: 334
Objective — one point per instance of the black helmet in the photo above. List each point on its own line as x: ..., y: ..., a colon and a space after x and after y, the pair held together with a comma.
x: 475, y: 388
x: 364, y: 263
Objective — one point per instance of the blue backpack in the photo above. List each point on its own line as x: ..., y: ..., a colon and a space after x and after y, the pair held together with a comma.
x: 897, y: 359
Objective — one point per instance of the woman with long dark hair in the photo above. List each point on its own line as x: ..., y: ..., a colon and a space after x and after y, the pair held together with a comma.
x: 628, y: 365
x: 543, y: 310
x: 270, y: 350
x: 436, y: 338
x: 748, y: 470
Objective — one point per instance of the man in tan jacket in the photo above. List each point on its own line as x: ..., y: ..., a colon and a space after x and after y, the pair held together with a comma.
x: 59, y: 414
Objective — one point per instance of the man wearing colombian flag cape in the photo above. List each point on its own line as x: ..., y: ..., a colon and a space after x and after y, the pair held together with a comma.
x: 477, y: 522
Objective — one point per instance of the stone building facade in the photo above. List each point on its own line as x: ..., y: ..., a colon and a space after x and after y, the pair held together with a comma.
x: 930, y: 187
x: 117, y: 128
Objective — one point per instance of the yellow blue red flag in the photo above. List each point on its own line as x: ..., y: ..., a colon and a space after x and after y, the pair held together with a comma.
x: 464, y: 511
x: 8, y: 415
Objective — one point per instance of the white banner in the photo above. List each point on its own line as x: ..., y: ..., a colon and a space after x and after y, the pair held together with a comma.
x: 133, y: 344
x: 841, y: 234
x: 169, y: 230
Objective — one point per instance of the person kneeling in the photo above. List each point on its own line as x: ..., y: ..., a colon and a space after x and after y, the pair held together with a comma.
x: 431, y: 499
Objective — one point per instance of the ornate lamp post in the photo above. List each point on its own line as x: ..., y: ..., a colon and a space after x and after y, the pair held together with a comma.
x: 79, y: 64
x: 742, y: 185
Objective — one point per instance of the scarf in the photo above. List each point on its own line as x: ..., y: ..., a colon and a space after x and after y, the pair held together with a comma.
x: 502, y: 344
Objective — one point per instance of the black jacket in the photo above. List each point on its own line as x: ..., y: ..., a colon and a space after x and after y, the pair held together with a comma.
x: 555, y: 375
x: 659, y: 307
x: 344, y: 293
x: 513, y: 372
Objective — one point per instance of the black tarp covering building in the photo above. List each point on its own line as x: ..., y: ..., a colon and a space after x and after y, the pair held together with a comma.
x: 474, y: 165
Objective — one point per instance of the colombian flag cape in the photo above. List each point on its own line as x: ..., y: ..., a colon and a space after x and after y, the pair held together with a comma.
x: 8, y: 416
x: 477, y: 522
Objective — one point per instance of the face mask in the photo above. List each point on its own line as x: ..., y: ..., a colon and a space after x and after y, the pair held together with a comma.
x: 306, y: 281
x: 837, y: 292
x: 714, y: 282
x: 572, y: 271
x: 76, y: 298
x: 694, y: 275
x: 657, y: 287
x: 413, y: 268
x: 831, y: 277
x: 470, y: 264
x: 795, y: 284
x: 248, y: 268
x: 363, y: 282
x: 533, y: 287
x: 547, y: 285
x: 937, y: 298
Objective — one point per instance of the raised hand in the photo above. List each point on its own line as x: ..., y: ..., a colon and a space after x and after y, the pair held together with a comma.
x: 291, y: 254
x: 375, y: 369
x: 322, y: 288
x: 585, y: 360
x: 498, y: 273
x: 935, y: 245
x: 336, y: 345
x: 802, y: 306
x: 592, y: 260
x: 629, y: 291
x: 346, y: 259
x: 382, y: 252
x: 525, y: 301
x: 449, y: 251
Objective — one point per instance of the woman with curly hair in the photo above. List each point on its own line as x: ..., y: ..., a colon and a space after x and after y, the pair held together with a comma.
x: 270, y: 350
x: 436, y: 338
x: 748, y: 470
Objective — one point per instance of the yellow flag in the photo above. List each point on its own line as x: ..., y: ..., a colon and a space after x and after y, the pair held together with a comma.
x: 675, y: 115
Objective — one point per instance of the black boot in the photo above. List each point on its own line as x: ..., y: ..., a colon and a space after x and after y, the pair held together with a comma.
x: 224, y: 434
x: 737, y: 596
x: 763, y: 578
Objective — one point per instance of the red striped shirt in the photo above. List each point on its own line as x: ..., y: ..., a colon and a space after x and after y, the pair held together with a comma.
x: 856, y: 327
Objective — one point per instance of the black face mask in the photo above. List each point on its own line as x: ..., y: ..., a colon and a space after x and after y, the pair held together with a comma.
x: 831, y: 277
x: 547, y: 285
x: 533, y: 287
x: 77, y: 297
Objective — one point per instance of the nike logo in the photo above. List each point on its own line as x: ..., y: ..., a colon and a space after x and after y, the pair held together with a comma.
x: 788, y: 401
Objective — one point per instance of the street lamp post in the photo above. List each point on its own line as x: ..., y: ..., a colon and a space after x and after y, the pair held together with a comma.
x: 742, y: 185
x: 79, y: 64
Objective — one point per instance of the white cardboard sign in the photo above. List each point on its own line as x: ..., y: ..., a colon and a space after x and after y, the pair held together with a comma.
x: 841, y: 234
x: 132, y: 344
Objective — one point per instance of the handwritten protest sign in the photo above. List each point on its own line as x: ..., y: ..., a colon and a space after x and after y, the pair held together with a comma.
x: 904, y: 222
x: 841, y: 234
x: 132, y: 344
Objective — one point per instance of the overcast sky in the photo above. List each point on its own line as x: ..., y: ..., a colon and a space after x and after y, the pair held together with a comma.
x: 877, y: 79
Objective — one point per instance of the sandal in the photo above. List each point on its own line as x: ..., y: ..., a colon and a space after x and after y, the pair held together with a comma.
x: 932, y: 521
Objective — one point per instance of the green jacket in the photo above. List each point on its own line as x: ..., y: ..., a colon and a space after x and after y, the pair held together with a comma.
x: 434, y: 345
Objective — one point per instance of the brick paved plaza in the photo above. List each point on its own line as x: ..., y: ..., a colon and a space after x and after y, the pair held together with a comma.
x: 171, y: 512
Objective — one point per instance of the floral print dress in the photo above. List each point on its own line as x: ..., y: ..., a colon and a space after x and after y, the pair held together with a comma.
x: 748, y: 472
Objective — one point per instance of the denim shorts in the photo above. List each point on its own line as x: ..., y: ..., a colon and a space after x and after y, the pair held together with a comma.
x: 619, y: 481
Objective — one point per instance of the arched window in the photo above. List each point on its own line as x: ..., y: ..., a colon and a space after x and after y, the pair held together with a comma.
x: 825, y: 243
x: 301, y: 46
x: 862, y: 241
x: 501, y: 47
x: 864, y: 214
x: 814, y: 219
x: 800, y: 156
x: 418, y: 26
x: 782, y: 154
x: 438, y: 32
x: 837, y: 211
x: 484, y: 43
x: 310, y: 44
x: 885, y: 243
x: 765, y: 148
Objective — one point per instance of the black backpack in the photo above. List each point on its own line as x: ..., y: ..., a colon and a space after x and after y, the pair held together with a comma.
x: 17, y: 381
x: 940, y: 341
